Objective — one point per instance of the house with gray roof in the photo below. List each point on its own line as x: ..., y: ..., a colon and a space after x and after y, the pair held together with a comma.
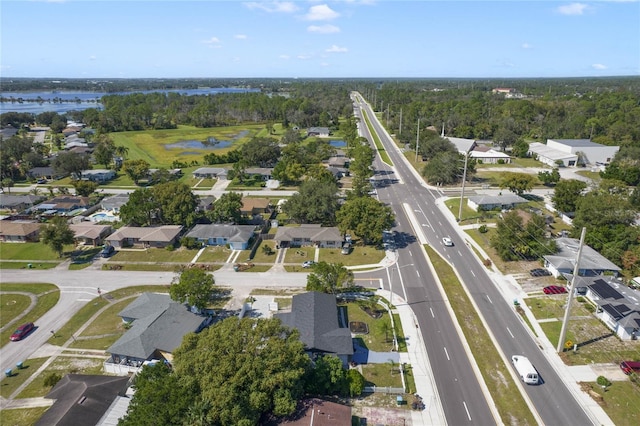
x: 617, y: 305
x: 98, y: 175
x: 321, y: 132
x: 315, y: 316
x: 464, y: 146
x: 592, y: 263
x: 210, y: 173
x: 158, y: 325
x: 308, y: 235
x: 90, y: 234
x: 150, y: 236
x: 216, y: 234
x: 18, y: 203
x: 114, y: 202
x: 491, y: 202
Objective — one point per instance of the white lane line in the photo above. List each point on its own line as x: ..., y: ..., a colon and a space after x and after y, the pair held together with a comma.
x: 490, y: 301
x: 447, y: 354
x: 467, y: 410
x: 411, y: 253
x: 472, y: 273
x: 418, y: 273
x: 459, y: 254
x: 432, y: 314
x: 510, y: 333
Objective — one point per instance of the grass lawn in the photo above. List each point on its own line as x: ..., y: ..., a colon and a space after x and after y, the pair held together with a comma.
x: 150, y: 145
x: 145, y: 267
x: 215, y: 254
x: 258, y: 268
x: 299, y: 255
x: 180, y: 255
x: 22, y: 416
x: 8, y: 385
x: 11, y: 305
x: 619, y: 401
x: 360, y: 255
x: 376, y: 339
x: 24, y: 265
x: 44, y: 303
x: 469, y: 216
x: 108, y: 322
x: 382, y: 375
x: 261, y: 256
x: 61, y: 366
x: 30, y: 251
x: 505, y: 393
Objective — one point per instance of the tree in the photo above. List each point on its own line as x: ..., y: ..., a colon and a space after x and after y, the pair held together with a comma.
x: 243, y: 369
x: 160, y: 398
x: 515, y: 240
x: 57, y: 234
x: 518, y: 183
x: 329, y: 278
x: 104, y: 150
x: 169, y: 203
x: 366, y: 217
x: 8, y: 183
x: 549, y: 178
x: 290, y: 136
x: 356, y: 382
x: 261, y: 152
x: 121, y: 151
x: 328, y: 377
x: 315, y: 202
x: 520, y: 148
x: 445, y: 168
x: 226, y: 209
x: 141, y: 209
x: 136, y: 169
x: 361, y: 169
x: 193, y: 286
x: 566, y: 195
x: 84, y: 188
x: 70, y: 163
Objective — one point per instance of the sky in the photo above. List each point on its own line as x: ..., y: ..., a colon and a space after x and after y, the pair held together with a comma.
x: 319, y: 39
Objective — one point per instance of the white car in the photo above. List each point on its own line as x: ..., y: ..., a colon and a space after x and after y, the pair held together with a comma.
x: 447, y: 242
x: 308, y: 263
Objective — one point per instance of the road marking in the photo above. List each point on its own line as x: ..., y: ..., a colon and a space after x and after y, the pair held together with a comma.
x: 432, y: 314
x: 424, y: 224
x: 84, y: 300
x: 410, y: 253
x: 510, y: 333
x: 490, y: 301
x: 418, y: 273
x: 447, y: 354
x: 472, y: 273
x: 459, y: 254
x: 467, y: 410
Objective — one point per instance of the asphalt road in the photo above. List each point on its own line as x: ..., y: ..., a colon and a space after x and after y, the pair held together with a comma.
x: 553, y: 401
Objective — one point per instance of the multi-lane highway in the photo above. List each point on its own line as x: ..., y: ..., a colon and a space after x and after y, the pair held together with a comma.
x: 462, y: 398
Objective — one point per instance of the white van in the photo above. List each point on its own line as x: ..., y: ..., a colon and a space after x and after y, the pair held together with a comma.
x: 525, y: 369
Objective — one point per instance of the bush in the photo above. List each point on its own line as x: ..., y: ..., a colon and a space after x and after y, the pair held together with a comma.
x: 52, y: 379
x: 589, y: 308
x: 267, y: 250
x: 486, y: 262
x: 483, y: 229
x: 603, y: 381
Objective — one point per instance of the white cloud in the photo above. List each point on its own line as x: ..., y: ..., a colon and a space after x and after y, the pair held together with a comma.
x: 273, y: 7
x: 303, y: 57
x: 599, y: 67
x: 321, y: 12
x: 323, y: 29
x: 527, y: 46
x: 324, y: 64
x: 337, y: 49
x: 92, y: 58
x: 241, y: 36
x: 572, y: 9
x: 284, y: 57
x: 212, y: 42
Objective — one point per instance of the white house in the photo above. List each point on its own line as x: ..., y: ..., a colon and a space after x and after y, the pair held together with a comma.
x: 572, y: 152
x: 618, y: 306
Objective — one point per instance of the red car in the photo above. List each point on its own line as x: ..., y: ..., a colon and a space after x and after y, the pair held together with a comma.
x: 22, y: 331
x: 554, y: 289
x: 630, y: 367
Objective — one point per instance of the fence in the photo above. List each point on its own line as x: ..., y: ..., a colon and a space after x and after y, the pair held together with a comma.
x: 383, y: 389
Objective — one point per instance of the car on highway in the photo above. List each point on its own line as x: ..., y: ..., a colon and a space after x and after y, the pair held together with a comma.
x: 308, y: 263
x: 22, y: 331
x: 539, y: 272
x: 447, y: 242
x: 629, y: 367
x: 554, y: 289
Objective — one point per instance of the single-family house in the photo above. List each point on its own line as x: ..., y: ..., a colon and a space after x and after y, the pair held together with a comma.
x: 592, y: 263
x: 254, y: 206
x: 205, y: 203
x: 90, y: 234
x: 321, y: 132
x: 308, y: 235
x: 158, y: 325
x: 82, y: 399
x: 45, y: 172
x: 487, y: 155
x: 64, y: 204
x: 7, y: 132
x: 98, y: 175
x: 16, y: 231
x: 491, y: 202
x: 18, y: 203
x: 315, y: 316
x: 216, y: 234
x: 336, y: 161
x: 151, y: 236
x: 113, y: 203
x: 264, y: 173
x: 210, y: 173
x: 464, y: 146
x: 618, y: 306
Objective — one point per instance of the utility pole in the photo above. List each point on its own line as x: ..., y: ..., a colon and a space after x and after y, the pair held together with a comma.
x: 400, y: 129
x: 567, y: 312
x: 464, y: 178
x: 417, y: 139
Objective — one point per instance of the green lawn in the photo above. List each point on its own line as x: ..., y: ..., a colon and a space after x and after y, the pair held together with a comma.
x: 382, y: 375
x: 261, y: 256
x: 620, y: 402
x: 379, y: 338
x: 22, y: 416
x: 45, y: 302
x: 299, y: 255
x: 360, y: 255
x: 145, y: 267
x: 108, y: 322
x: 215, y: 254
x: 24, y: 265
x: 8, y: 385
x: 61, y: 366
x: 29, y: 251
x: 11, y: 305
x: 155, y: 255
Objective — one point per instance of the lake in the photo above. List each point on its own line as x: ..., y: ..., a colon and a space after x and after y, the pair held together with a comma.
x: 67, y: 100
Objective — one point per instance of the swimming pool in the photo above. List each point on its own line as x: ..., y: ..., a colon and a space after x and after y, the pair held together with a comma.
x: 103, y: 217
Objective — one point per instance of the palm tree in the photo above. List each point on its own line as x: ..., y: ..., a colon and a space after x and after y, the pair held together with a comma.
x: 122, y: 151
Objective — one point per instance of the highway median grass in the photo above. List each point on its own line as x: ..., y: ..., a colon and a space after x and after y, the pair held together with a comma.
x: 384, y: 156
x: 507, y: 397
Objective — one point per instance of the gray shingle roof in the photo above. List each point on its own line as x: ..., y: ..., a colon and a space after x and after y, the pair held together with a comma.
x: 233, y: 233
x: 312, y: 232
x: 315, y: 316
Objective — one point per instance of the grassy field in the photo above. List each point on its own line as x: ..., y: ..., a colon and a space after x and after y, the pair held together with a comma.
x: 509, y: 402
x: 11, y: 306
x: 30, y: 251
x: 150, y: 145
x: 619, y: 401
x: 22, y: 416
x: 360, y: 255
x: 45, y: 302
x: 8, y: 385
x: 61, y: 366
x: 155, y: 255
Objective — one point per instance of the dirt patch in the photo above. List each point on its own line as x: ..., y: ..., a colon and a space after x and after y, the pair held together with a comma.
x: 359, y: 327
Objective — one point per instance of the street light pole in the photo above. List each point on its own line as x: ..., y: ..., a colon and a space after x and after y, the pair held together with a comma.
x: 464, y: 178
x: 417, y: 140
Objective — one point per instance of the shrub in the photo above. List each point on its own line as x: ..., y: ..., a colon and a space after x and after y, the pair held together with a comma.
x: 52, y: 379
x: 267, y: 250
x: 483, y: 229
x: 603, y: 381
x: 487, y: 262
x: 589, y: 308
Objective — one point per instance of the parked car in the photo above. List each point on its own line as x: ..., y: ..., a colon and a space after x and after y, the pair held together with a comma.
x: 554, y: 289
x: 447, y: 242
x: 22, y: 331
x: 539, y: 272
x: 308, y: 263
x: 346, y: 248
x: 629, y: 367
x: 107, y: 251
